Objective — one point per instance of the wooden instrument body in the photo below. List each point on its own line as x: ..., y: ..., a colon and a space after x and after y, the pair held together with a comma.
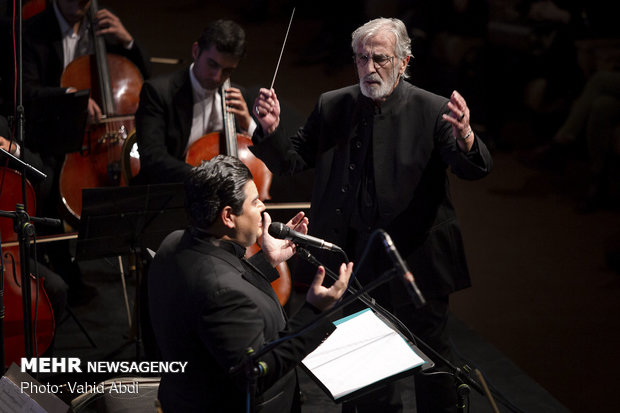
x: 41, y: 308
x: 211, y: 145
x: 115, y: 84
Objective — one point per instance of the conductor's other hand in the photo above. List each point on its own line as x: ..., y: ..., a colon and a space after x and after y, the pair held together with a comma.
x: 324, y: 298
x: 267, y: 110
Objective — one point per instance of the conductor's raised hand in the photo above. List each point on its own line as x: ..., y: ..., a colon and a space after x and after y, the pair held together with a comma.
x: 279, y: 250
x: 324, y: 298
x: 459, y: 119
x: 267, y: 110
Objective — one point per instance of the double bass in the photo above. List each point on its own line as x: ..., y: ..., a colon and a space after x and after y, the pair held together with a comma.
x: 238, y: 145
x: 115, y: 83
x: 41, y: 308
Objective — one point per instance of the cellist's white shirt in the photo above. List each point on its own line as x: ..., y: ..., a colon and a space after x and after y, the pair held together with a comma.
x: 69, y: 37
x: 207, y: 113
x: 207, y: 110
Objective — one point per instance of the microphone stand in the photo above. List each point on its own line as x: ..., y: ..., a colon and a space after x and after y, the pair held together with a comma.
x: 463, y: 381
x: 459, y: 375
x: 21, y: 221
x: 23, y: 226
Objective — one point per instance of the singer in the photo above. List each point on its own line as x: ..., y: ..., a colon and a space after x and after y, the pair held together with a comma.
x: 209, y: 304
x: 380, y: 150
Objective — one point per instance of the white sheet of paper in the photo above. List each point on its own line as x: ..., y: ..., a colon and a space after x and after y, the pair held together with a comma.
x: 361, y: 351
x: 13, y: 400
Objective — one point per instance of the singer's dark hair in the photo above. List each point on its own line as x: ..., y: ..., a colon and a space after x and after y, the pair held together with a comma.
x: 212, y: 186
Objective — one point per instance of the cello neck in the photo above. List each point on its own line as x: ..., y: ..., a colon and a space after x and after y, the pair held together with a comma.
x: 103, y: 71
x: 230, y: 130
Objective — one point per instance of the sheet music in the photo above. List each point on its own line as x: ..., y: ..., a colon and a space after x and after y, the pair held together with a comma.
x: 361, y: 351
x: 12, y: 400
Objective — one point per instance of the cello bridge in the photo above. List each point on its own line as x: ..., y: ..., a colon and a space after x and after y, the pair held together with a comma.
x: 112, y: 137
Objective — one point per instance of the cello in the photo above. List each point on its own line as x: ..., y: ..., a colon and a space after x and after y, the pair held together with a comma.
x: 115, y: 83
x: 238, y: 145
x: 32, y: 7
x: 41, y: 308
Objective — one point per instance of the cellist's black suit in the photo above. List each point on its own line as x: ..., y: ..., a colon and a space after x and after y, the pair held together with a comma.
x: 43, y: 55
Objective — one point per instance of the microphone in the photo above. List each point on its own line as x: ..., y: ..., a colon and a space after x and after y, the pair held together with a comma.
x: 280, y: 231
x: 403, y: 271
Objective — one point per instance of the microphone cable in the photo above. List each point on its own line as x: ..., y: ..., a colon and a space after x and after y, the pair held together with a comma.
x: 364, y: 298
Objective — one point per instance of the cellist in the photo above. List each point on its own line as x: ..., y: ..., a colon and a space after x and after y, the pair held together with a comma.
x: 52, y: 39
x: 59, y: 34
x: 177, y: 109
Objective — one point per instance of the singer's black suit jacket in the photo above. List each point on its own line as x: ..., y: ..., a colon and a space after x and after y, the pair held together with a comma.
x: 208, y: 308
x: 412, y: 147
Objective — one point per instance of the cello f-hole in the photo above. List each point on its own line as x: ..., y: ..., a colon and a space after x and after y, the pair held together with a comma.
x: 13, y: 267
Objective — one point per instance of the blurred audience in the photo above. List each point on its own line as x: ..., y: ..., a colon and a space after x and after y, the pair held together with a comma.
x: 532, y: 67
x: 592, y: 126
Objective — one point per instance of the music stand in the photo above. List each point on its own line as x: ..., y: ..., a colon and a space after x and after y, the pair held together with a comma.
x: 363, y: 358
x: 56, y: 124
x: 125, y: 221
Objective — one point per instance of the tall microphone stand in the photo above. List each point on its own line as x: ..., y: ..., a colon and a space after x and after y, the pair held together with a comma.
x: 253, y: 368
x: 461, y: 378
x: 463, y: 381
x: 24, y: 228
x: 22, y: 223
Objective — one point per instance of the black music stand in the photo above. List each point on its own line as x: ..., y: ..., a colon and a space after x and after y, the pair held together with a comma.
x: 365, y: 366
x: 119, y: 221
x: 56, y: 124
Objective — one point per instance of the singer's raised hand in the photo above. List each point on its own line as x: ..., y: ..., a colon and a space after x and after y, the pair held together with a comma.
x: 278, y: 250
x: 324, y: 298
